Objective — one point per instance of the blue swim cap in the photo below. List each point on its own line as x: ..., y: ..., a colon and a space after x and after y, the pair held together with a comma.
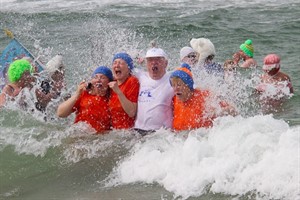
x: 103, y: 70
x: 126, y: 58
x: 185, y: 65
x: 185, y: 74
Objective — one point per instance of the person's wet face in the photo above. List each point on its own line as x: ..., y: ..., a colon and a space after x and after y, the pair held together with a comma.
x: 120, y: 70
x: 156, y: 67
x: 27, y: 80
x: 58, y: 75
x: 272, y: 71
x: 191, y: 59
x: 99, y: 83
x: 181, y: 90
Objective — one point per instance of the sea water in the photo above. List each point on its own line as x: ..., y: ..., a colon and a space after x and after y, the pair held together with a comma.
x: 255, y: 155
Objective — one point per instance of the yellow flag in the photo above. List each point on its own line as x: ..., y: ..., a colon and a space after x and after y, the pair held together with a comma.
x: 8, y: 33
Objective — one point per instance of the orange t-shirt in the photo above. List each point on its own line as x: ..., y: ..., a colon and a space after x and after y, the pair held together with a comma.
x: 190, y: 114
x: 120, y: 119
x: 93, y: 110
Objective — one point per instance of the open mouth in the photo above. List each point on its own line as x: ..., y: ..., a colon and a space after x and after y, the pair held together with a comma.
x: 178, y: 93
x: 118, y: 72
x: 98, y: 85
x: 154, y: 68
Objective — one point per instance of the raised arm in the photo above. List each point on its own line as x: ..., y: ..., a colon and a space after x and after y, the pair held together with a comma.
x: 7, y: 90
x: 2, y: 99
x: 129, y: 107
x: 66, y: 108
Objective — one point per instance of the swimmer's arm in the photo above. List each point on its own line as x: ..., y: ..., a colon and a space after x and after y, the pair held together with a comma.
x: 2, y: 99
x: 43, y: 98
x: 249, y: 63
x: 290, y: 86
x: 7, y: 90
x: 129, y: 107
x: 66, y: 108
x: 291, y: 90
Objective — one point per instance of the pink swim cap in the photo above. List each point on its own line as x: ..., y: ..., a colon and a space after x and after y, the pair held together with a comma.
x: 271, y: 61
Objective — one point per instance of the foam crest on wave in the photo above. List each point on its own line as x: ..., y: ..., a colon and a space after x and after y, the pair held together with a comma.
x: 238, y: 156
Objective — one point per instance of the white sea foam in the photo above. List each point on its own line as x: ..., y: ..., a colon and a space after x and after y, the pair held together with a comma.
x: 87, y: 146
x: 237, y: 156
x: 30, y: 141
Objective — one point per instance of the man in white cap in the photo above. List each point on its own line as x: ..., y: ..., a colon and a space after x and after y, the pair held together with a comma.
x: 155, y: 94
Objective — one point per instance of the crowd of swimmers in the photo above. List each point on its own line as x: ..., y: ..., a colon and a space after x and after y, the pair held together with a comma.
x: 125, y: 97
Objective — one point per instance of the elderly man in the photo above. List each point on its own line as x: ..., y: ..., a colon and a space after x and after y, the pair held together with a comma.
x: 155, y: 94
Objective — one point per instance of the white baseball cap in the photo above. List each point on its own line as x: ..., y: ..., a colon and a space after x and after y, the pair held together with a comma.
x: 156, y: 52
x: 185, y: 51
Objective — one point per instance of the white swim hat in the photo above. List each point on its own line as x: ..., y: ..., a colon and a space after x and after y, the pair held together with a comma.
x: 204, y: 47
x: 186, y: 51
x: 54, y: 64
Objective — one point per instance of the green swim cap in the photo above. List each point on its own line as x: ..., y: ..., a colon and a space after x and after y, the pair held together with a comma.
x: 17, y: 68
x: 247, y: 48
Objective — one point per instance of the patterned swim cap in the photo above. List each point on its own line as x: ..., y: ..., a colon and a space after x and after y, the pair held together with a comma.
x: 271, y: 61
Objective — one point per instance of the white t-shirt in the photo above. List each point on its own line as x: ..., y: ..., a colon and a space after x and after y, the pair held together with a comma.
x: 154, y: 102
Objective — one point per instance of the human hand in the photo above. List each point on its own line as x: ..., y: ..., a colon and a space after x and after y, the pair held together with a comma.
x: 236, y: 58
x: 81, y: 87
x: 114, y: 86
x: 140, y: 60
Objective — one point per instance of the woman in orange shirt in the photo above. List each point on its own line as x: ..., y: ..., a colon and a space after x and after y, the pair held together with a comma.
x: 125, y: 89
x: 90, y: 101
x: 191, y: 108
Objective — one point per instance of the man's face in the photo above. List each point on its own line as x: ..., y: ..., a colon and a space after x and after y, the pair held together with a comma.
x: 157, y: 67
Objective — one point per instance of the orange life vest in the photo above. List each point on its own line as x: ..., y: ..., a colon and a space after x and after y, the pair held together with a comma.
x: 93, y: 110
x: 120, y: 119
x: 190, y: 114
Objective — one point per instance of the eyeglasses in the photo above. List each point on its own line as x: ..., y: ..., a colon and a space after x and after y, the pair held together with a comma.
x: 191, y: 56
